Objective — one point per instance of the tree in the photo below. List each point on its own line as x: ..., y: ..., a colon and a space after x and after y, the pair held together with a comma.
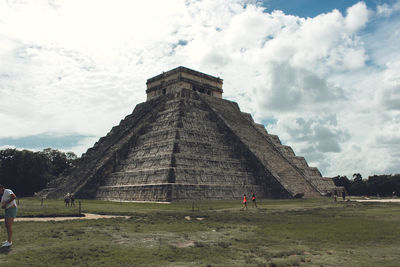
x: 384, y: 185
x: 27, y: 172
x: 342, y: 181
x: 59, y: 161
x: 357, y: 177
x: 24, y: 171
x: 358, y: 186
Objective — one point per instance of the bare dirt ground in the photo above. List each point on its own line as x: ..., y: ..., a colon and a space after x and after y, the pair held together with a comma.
x: 88, y: 216
x: 393, y: 200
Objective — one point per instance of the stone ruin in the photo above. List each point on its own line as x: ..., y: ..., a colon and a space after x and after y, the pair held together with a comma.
x: 187, y: 143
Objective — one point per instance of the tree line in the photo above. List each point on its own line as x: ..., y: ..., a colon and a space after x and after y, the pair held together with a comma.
x: 384, y: 185
x: 27, y: 172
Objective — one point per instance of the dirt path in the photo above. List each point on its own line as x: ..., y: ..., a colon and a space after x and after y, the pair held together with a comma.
x: 88, y: 216
x: 378, y: 200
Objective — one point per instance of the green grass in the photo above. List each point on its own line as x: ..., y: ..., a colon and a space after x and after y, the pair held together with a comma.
x: 312, y: 232
x: 34, y: 207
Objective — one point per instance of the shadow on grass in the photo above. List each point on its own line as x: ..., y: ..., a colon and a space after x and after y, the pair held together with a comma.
x: 51, y: 215
x: 5, y: 250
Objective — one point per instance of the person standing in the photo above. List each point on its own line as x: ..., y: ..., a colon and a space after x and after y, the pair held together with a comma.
x: 72, y: 200
x: 244, y: 202
x: 10, y: 206
x: 253, y: 199
x: 67, y: 198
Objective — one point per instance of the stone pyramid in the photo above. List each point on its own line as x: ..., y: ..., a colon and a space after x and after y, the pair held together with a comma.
x: 187, y: 143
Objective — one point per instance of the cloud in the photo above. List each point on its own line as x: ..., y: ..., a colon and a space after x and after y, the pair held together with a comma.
x: 357, y: 17
x: 313, y: 137
x: 290, y: 89
x: 386, y: 10
x: 327, y: 85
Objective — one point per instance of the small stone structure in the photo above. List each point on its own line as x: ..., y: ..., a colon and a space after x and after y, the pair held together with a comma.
x: 187, y: 143
x: 183, y: 78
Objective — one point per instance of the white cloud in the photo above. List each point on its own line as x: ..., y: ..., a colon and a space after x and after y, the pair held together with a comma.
x: 357, y: 17
x: 386, y: 10
x: 77, y: 67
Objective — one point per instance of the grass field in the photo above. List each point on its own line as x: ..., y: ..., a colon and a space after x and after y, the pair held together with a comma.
x: 311, y: 232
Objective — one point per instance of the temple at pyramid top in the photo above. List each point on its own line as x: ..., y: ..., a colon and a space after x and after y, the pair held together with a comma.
x: 183, y: 78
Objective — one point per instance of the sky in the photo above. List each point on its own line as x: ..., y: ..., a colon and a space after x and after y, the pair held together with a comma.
x: 322, y: 75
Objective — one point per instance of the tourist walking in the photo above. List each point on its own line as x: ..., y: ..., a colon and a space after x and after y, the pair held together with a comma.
x: 244, y: 202
x: 253, y: 199
x: 10, y: 206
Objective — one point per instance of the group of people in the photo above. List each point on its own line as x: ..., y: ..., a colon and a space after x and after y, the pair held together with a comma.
x: 69, y: 199
x: 335, y: 195
x: 253, y: 200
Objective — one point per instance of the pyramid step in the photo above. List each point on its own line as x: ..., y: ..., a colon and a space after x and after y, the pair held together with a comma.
x: 188, y: 124
x: 194, y: 109
x: 181, y: 135
x: 199, y: 134
x: 182, y: 145
x: 164, y: 146
x: 314, y: 171
x: 145, y: 176
x: 300, y: 162
x: 174, y: 114
x: 151, y: 151
x: 310, y: 171
x: 197, y: 161
x: 182, y: 175
x: 179, y: 122
x: 286, y: 150
x: 150, y: 161
x: 247, y: 116
x: 206, y: 176
x: 201, y: 137
x: 179, y: 100
x: 158, y: 134
x: 324, y: 185
x: 192, y: 146
x: 275, y: 139
x: 171, y: 133
x: 175, y: 191
x: 191, y: 170
x: 180, y: 159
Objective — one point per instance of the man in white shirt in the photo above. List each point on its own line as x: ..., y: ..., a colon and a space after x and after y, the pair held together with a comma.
x: 8, y: 203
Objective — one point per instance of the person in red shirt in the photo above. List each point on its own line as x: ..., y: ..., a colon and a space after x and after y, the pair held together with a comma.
x: 244, y: 202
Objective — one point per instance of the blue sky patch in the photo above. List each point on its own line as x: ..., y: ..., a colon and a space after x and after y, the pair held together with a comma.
x: 268, y: 121
x: 42, y: 141
x: 312, y: 8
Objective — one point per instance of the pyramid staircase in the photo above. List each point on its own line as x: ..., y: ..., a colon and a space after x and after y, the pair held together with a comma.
x: 182, y: 155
